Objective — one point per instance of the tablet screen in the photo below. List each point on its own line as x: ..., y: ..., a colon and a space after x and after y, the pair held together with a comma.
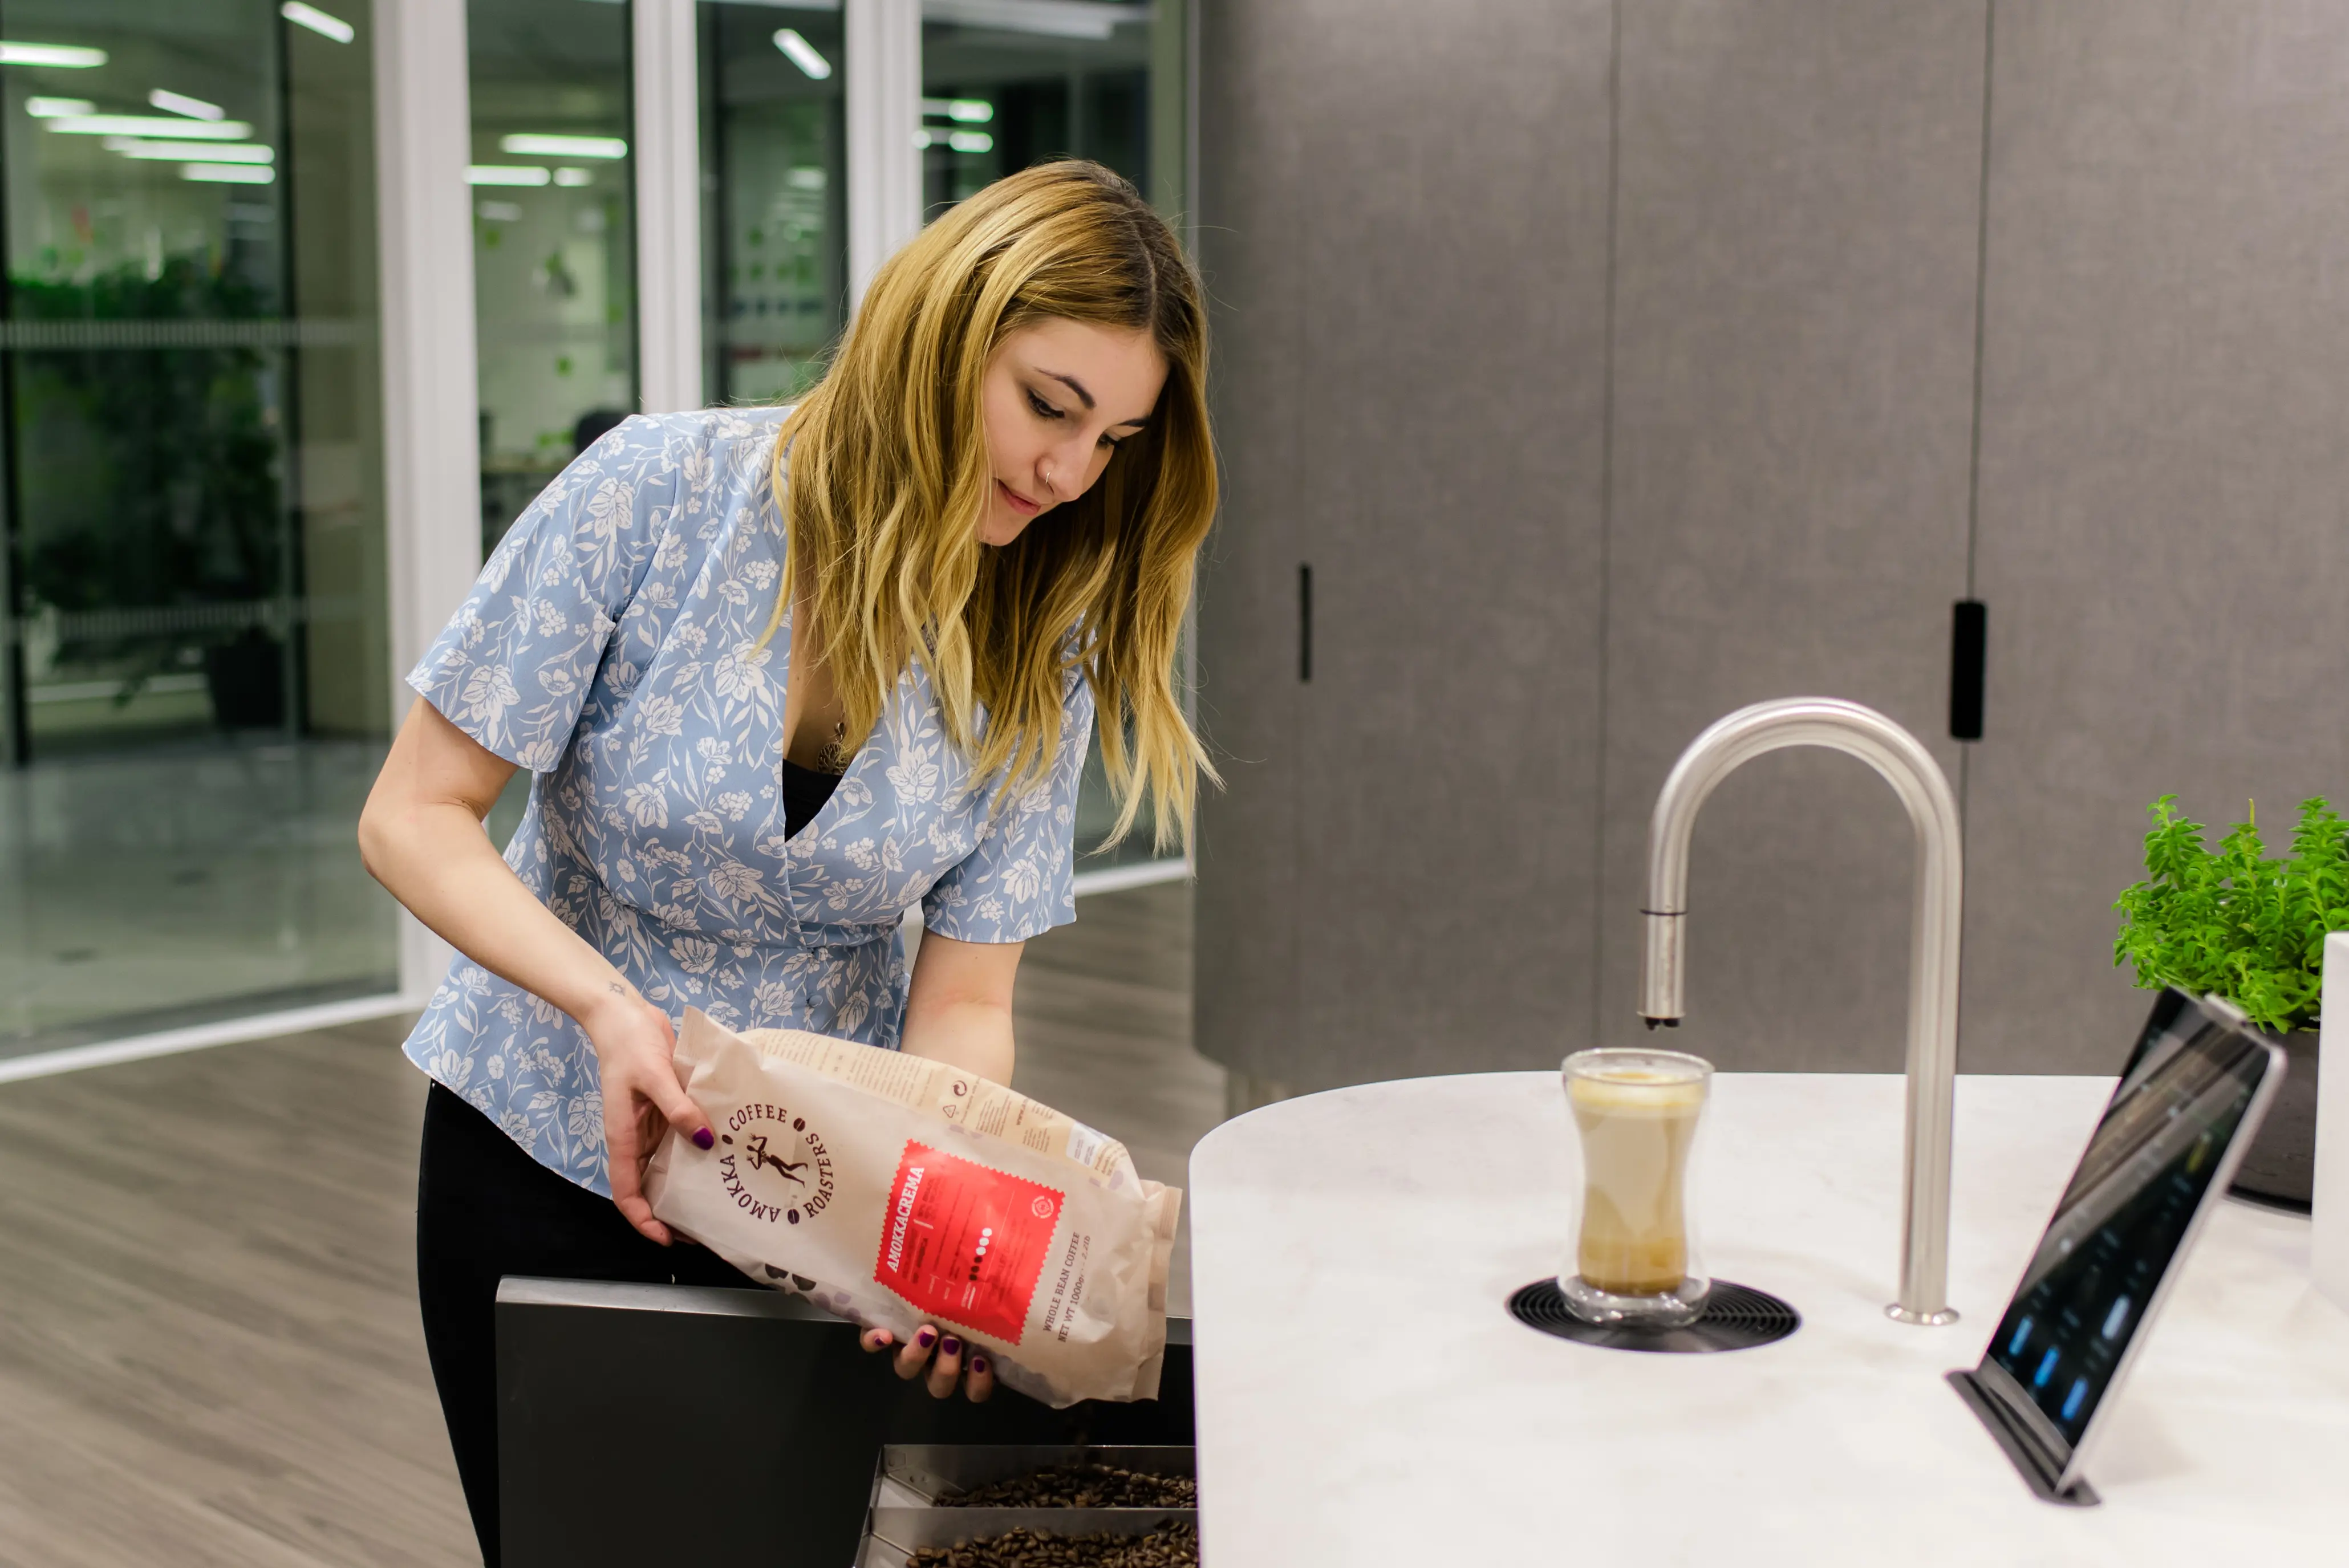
x: 2130, y: 1204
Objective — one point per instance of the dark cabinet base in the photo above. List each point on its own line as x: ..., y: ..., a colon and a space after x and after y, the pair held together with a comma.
x: 634, y: 1418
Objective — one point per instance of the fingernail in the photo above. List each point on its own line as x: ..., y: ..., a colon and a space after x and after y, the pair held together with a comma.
x: 925, y: 1339
x: 978, y: 1363
x: 950, y: 1346
x: 701, y: 1137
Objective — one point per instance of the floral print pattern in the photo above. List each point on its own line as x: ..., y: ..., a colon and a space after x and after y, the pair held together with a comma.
x: 612, y: 649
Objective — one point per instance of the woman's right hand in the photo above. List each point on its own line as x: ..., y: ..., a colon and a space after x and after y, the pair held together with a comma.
x: 635, y: 1054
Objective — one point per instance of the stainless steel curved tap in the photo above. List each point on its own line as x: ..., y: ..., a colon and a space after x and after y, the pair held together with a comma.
x: 1933, y: 937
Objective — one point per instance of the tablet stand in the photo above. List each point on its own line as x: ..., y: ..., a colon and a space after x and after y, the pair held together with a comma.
x: 2019, y: 1448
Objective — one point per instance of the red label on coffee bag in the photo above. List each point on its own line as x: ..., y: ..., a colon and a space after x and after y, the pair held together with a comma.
x: 964, y: 1244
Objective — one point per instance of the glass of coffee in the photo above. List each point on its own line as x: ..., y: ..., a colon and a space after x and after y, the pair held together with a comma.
x: 1636, y: 1115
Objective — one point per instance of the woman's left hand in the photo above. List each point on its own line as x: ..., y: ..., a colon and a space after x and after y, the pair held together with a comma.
x: 948, y: 1360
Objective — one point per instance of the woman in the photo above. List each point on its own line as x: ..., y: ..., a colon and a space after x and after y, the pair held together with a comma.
x: 780, y: 675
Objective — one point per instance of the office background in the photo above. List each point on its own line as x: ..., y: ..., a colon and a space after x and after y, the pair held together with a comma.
x: 1611, y: 367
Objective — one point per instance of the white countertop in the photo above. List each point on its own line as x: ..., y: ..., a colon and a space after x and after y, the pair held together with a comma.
x: 1364, y: 1397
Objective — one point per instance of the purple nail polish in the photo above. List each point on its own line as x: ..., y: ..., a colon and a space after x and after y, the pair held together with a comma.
x: 978, y: 1364
x: 701, y: 1139
x: 925, y: 1339
x: 950, y: 1346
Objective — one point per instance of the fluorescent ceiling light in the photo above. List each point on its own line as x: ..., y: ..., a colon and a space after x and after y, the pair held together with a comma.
x: 64, y: 57
x: 499, y: 212
x: 968, y: 111
x: 805, y: 177
x: 170, y: 151
x: 227, y: 174
x: 574, y: 177
x: 971, y: 141
x: 317, y: 21
x: 802, y: 54
x: 152, y: 125
x: 181, y: 103
x: 534, y: 146
x: 52, y: 108
x: 506, y: 174
x: 1051, y: 18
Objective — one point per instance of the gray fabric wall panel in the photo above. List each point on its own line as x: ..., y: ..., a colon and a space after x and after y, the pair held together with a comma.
x: 1434, y: 440
x: 1796, y: 266
x: 2162, y: 542
x: 1456, y: 332
x: 1405, y: 220
x: 1251, y: 60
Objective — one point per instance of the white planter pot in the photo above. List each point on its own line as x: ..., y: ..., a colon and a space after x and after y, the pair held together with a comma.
x: 2329, y: 1243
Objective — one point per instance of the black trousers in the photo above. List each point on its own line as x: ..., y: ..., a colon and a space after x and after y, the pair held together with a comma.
x: 485, y: 1208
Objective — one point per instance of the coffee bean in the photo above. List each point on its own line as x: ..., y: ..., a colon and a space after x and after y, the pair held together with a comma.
x: 1169, y: 1546
x: 1082, y: 1486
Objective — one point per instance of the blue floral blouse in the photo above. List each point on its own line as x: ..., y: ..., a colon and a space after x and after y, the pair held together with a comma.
x: 611, y: 648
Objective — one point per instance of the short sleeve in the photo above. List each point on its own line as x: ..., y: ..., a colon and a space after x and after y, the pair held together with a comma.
x: 1019, y: 880
x: 514, y: 667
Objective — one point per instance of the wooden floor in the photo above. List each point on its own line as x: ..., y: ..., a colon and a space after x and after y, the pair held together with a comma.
x: 209, y: 1351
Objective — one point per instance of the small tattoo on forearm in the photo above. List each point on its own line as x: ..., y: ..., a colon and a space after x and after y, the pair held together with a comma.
x: 616, y: 989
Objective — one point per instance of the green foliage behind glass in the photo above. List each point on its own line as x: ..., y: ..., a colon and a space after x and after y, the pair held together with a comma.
x: 149, y: 476
x: 2236, y: 923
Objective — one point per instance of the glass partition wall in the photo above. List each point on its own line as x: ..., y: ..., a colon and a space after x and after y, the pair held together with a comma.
x: 195, y: 670
x: 553, y: 252
x: 1007, y: 84
x: 774, y: 153
x: 195, y: 684
x: 553, y: 246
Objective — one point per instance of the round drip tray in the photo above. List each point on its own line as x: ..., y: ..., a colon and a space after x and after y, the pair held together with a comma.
x: 1735, y: 1317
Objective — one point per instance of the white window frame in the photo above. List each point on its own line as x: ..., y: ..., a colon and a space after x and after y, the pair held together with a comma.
x: 884, y: 113
x: 666, y: 86
x: 432, y: 427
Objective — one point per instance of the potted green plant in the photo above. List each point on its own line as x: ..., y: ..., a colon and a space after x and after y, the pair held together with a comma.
x: 2251, y: 928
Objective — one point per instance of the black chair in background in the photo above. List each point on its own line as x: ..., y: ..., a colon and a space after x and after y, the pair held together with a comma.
x: 592, y: 427
x: 755, y: 1422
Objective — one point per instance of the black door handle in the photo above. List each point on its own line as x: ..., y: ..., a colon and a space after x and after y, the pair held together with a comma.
x: 1969, y: 650
x: 1304, y: 622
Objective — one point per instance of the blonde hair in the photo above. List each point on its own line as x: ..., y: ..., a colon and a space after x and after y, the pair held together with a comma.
x: 884, y: 470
